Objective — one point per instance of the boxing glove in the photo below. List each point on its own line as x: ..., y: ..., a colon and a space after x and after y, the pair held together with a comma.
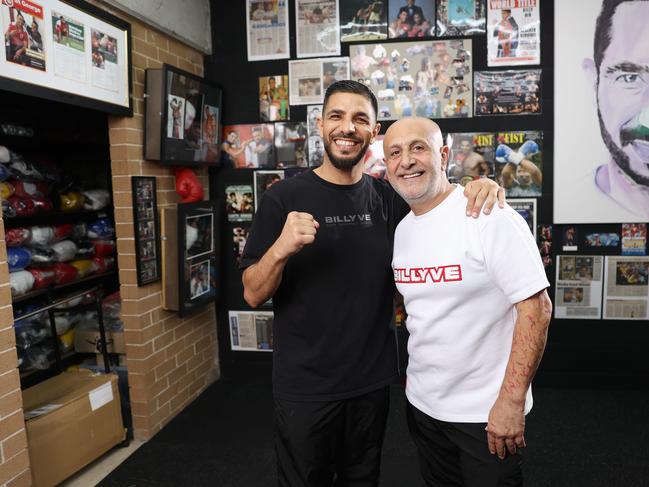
x: 505, y: 154
x: 7, y: 190
x: 96, y: 199
x: 529, y: 148
x: 104, y: 248
x: 5, y: 156
x: 188, y: 187
x: 14, y: 237
x: 64, y: 251
x: 72, y: 201
x: 22, y: 206
x: 64, y: 273
x: 18, y: 258
x: 101, y: 228
x: 42, y: 277
x: 21, y: 282
x: 79, y: 231
x: 42, y: 236
x: 8, y: 211
x: 26, y: 189
x: 24, y: 170
x: 104, y: 264
x: 4, y: 172
x: 62, y: 231
x: 42, y: 256
x: 85, y: 267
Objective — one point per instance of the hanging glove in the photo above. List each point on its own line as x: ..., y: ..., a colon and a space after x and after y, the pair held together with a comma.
x: 188, y: 187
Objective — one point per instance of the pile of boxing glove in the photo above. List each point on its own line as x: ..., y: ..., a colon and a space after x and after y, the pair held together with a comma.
x: 43, y: 256
x: 32, y: 187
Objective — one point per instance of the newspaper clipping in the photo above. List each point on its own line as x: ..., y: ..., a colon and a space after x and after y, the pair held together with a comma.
x: 69, y: 48
x: 513, y: 32
x: 508, y: 92
x: 578, y: 292
x: 251, y: 330
x: 267, y: 28
x: 309, y: 79
x: 316, y: 28
x: 408, y: 20
x: 472, y: 157
x: 429, y: 79
x: 24, y: 29
x: 363, y: 20
x: 527, y: 209
x: 273, y: 98
x: 460, y: 17
x: 634, y: 239
x: 627, y: 291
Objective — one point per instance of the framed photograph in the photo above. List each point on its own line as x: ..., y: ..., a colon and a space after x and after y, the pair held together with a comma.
x: 197, y: 255
x: 183, y: 118
x: 527, y: 209
x: 68, y: 51
x: 146, y: 229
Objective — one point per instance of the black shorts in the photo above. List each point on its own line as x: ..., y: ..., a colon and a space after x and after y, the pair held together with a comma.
x: 331, y: 443
x: 457, y: 454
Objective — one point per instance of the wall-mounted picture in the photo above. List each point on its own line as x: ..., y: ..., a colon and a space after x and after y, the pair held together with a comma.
x: 527, y: 209
x: 471, y: 157
x: 273, y: 98
x: 363, y: 20
x: 239, y: 238
x: 425, y: 78
x: 408, y: 19
x: 182, y: 122
x: 197, y: 255
x: 147, y: 233
x: 508, y: 92
x: 239, y: 203
x: 248, y: 146
x: 251, y: 330
x: 519, y: 163
x: 290, y: 144
x: 460, y: 17
x: 263, y: 181
x: 513, y: 33
x: 24, y: 29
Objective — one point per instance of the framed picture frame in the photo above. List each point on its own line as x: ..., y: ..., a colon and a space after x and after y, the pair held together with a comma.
x: 146, y: 229
x: 78, y: 53
x: 182, y: 118
x: 198, y: 251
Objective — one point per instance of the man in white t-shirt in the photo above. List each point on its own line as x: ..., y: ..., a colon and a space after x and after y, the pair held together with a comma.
x: 478, y: 313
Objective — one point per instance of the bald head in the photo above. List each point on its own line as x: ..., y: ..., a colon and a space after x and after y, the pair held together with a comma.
x: 413, y: 127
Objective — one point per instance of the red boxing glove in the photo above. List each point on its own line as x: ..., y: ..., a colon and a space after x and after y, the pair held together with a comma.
x: 104, y: 248
x: 26, y: 189
x: 43, y: 277
x: 62, y: 231
x: 64, y: 273
x: 188, y: 187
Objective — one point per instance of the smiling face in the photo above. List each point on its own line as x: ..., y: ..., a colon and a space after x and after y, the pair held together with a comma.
x: 623, y: 91
x: 348, y: 126
x: 416, y: 161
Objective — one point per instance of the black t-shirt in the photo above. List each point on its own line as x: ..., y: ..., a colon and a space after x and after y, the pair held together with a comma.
x: 331, y: 335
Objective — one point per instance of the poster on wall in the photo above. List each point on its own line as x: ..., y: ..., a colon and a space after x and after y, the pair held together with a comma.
x: 471, y: 157
x: 627, y: 288
x: 316, y: 25
x: 146, y: 229
x: 251, y: 330
x: 290, y: 144
x: 264, y: 180
x: 315, y: 148
x: 545, y: 244
x: 239, y: 239
x: 602, y: 85
x: 267, y: 29
x: 239, y: 203
x: 373, y: 163
x: 634, y: 239
x: 425, y: 78
x: 309, y: 79
x: 273, y: 98
x: 460, y: 17
x: 363, y: 20
x: 579, y: 284
x: 508, y: 92
x: 410, y: 20
x: 526, y: 208
x: 513, y: 32
x: 248, y: 146
x: 55, y: 46
x: 519, y: 163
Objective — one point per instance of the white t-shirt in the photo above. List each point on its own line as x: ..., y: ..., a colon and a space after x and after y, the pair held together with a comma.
x: 460, y: 278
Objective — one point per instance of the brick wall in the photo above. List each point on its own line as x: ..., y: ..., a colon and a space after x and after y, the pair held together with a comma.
x: 14, y: 458
x: 170, y: 360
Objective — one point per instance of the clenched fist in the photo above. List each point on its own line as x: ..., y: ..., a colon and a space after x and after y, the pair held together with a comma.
x: 299, y: 230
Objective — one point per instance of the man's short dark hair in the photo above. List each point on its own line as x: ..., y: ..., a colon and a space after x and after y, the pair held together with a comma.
x: 603, y: 28
x: 354, y: 87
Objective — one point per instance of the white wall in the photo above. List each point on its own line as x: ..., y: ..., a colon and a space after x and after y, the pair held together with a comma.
x: 186, y: 20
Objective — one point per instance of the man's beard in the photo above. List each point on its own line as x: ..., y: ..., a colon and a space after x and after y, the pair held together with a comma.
x: 345, y: 164
x: 620, y: 157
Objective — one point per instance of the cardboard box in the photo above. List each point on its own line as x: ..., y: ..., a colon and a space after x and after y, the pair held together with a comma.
x: 87, y: 341
x: 71, y: 420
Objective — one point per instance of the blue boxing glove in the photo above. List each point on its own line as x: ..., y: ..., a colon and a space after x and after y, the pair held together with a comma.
x: 529, y: 148
x: 505, y: 154
x: 18, y: 258
x: 101, y: 228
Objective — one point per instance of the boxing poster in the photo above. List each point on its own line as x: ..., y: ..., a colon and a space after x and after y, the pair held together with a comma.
x: 626, y: 294
x: 526, y: 208
x: 363, y: 20
x: 579, y: 284
x: 429, y: 79
x: 507, y: 92
x: 460, y: 17
x: 601, y: 107
x: 23, y: 26
x: 411, y: 20
x: 513, y: 32
x: 316, y: 25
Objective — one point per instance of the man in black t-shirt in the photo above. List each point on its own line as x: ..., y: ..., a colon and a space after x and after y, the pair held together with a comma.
x: 321, y: 247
